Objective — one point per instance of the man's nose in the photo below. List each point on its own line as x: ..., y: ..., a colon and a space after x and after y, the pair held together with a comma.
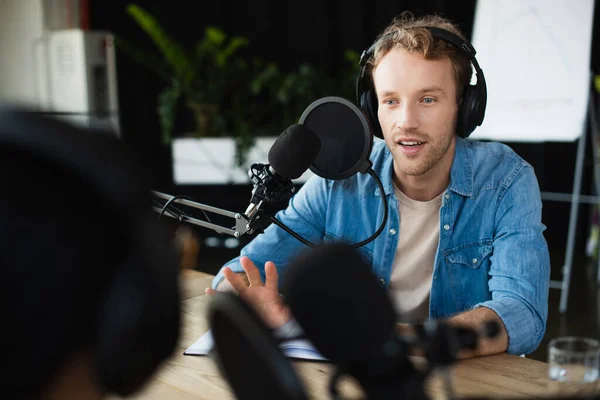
x: 407, y: 117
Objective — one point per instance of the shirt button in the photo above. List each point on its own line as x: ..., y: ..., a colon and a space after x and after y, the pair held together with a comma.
x: 382, y: 281
x: 435, y: 277
x: 446, y: 227
x: 447, y: 196
x: 392, y: 231
x: 474, y: 261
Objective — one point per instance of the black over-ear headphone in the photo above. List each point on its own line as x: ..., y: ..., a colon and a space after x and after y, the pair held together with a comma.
x: 471, y: 110
x: 138, y: 321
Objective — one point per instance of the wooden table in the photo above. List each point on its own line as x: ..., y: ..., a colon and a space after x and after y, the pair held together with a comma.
x: 197, y: 377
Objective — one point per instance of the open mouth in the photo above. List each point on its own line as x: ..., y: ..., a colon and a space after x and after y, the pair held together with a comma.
x: 411, y: 144
x: 411, y: 147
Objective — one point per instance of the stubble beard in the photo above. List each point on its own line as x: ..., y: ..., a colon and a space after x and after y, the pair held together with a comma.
x: 422, y: 163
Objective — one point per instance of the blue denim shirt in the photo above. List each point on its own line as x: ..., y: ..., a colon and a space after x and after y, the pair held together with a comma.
x: 491, y: 249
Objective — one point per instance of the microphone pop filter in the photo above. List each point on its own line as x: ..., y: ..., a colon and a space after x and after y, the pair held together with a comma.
x: 345, y: 136
x: 247, y: 353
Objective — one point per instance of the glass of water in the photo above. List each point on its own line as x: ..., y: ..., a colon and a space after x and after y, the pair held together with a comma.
x: 573, y: 359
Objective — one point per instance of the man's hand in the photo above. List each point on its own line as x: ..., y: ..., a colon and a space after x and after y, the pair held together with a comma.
x: 265, y: 299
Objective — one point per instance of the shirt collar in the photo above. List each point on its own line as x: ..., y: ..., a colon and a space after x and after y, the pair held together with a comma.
x: 387, y: 173
x: 461, y: 174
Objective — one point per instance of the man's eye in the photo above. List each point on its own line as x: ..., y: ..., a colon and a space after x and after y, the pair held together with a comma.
x: 428, y: 100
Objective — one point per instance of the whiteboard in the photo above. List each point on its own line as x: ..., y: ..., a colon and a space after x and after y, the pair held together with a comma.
x: 535, y: 56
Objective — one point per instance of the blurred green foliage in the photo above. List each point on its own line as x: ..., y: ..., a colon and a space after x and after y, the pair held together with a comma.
x: 227, y: 93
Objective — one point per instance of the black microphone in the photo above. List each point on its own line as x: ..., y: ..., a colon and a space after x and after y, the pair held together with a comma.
x: 294, y: 151
x: 290, y: 156
x: 333, y: 140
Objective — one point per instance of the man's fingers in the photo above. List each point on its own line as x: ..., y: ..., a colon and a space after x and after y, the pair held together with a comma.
x: 272, y: 277
x: 252, y: 272
x: 210, y: 291
x: 236, y: 281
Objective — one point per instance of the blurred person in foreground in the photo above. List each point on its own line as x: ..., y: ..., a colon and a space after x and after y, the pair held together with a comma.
x: 90, y: 299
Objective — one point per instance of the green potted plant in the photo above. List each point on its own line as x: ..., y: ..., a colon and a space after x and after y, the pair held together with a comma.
x: 295, y: 90
x: 215, y: 83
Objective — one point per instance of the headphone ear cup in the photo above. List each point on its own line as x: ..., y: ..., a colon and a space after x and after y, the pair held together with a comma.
x: 139, y: 320
x: 368, y: 102
x: 468, y: 113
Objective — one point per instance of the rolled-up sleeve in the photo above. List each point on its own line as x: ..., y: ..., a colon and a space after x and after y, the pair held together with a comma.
x: 520, y: 265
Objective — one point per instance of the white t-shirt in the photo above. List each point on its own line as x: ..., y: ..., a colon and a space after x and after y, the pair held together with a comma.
x: 410, y: 283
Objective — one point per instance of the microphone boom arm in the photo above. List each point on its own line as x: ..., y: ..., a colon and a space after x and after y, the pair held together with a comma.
x: 242, y: 223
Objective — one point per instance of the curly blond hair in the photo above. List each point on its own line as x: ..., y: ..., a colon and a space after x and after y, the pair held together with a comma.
x: 409, y: 33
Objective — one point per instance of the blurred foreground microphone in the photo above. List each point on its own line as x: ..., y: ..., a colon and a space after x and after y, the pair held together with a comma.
x: 353, y: 325
x: 248, y: 355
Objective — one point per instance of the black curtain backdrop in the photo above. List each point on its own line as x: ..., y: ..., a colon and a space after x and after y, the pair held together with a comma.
x: 317, y: 31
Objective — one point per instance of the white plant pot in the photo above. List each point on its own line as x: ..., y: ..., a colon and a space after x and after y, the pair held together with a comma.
x: 210, y: 161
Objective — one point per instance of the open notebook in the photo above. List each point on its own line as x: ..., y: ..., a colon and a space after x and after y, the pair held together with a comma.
x: 295, y: 348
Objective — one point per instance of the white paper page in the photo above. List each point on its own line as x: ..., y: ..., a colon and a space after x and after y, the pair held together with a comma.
x: 298, y: 348
x: 202, y: 346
